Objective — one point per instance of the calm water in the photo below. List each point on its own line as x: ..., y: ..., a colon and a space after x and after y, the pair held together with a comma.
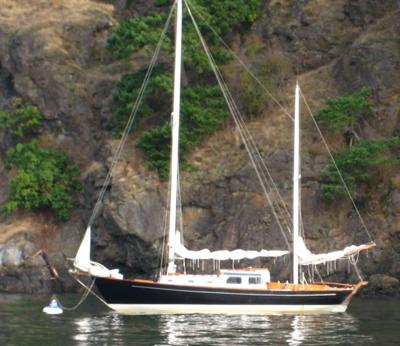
x: 367, y: 322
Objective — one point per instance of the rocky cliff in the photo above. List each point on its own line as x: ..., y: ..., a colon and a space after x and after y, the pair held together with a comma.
x: 52, y: 54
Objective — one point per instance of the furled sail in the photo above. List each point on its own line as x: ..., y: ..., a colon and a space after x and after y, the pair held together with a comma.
x: 82, y: 258
x: 83, y: 263
x: 306, y: 257
x: 221, y: 255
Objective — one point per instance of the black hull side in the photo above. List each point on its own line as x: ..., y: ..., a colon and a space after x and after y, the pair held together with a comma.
x: 132, y: 292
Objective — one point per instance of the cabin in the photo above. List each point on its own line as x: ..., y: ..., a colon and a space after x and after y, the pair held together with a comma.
x: 241, y: 278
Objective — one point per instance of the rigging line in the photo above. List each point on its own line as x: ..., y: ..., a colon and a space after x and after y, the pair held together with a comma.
x: 250, y: 147
x: 132, y: 116
x: 83, y: 298
x: 240, y: 60
x: 337, y: 168
x: 166, y: 220
x: 91, y: 291
x: 166, y: 216
x: 261, y: 163
x: 265, y: 167
x: 180, y: 206
x: 266, y: 90
x: 242, y: 127
x: 227, y: 98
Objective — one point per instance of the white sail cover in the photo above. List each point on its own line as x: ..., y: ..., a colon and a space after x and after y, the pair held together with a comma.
x: 307, y: 258
x: 221, y: 255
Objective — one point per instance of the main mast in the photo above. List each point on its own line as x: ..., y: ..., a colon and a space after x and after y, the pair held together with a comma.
x: 296, y: 183
x: 175, y: 139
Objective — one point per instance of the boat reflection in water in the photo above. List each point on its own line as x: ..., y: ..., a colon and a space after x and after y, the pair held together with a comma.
x: 200, y: 329
x: 293, y: 330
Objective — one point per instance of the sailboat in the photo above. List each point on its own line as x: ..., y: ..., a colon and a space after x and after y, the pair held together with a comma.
x: 242, y: 291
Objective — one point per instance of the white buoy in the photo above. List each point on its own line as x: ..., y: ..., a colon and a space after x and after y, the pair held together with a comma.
x: 53, y: 308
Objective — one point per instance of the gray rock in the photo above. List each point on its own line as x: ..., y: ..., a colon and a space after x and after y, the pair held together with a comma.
x: 12, y: 256
x: 384, y: 284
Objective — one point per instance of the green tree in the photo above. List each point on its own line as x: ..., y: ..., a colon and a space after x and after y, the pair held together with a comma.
x: 134, y: 34
x: 155, y: 105
x: 44, y: 178
x: 358, y: 165
x: 344, y: 112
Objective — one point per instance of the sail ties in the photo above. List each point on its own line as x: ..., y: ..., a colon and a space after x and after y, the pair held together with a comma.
x: 222, y: 255
x: 306, y: 257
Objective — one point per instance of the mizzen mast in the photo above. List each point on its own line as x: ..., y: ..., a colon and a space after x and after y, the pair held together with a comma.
x: 296, y: 186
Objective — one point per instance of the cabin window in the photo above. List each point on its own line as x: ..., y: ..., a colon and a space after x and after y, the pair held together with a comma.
x: 254, y: 280
x: 234, y: 280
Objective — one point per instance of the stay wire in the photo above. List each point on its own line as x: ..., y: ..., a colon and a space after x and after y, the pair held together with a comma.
x: 233, y: 109
x: 239, y: 60
x: 337, y: 168
x: 244, y: 127
x: 83, y: 298
x: 132, y: 117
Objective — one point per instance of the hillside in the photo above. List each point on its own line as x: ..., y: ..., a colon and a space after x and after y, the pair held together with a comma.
x: 53, y: 55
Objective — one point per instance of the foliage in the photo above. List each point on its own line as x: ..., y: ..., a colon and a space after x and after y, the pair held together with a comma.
x: 203, y: 107
x: 45, y: 178
x: 133, y: 34
x: 344, y: 111
x: 156, y: 145
x: 229, y: 16
x: 154, y: 104
x: 358, y: 165
x: 203, y: 111
x: 20, y: 120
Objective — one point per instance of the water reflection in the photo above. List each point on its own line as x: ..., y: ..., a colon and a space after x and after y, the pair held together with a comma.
x: 293, y: 330
x: 23, y: 323
x: 338, y: 329
x: 93, y: 330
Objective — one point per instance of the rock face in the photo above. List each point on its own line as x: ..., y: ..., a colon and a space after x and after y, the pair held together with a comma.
x: 52, y: 54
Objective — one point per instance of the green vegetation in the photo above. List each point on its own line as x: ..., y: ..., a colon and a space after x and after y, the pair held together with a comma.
x: 203, y: 107
x: 344, y: 111
x: 20, y: 120
x: 134, y: 34
x: 155, y: 103
x: 203, y: 111
x: 358, y: 165
x: 45, y: 178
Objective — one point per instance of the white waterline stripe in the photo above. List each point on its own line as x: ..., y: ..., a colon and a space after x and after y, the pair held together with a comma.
x: 140, y: 309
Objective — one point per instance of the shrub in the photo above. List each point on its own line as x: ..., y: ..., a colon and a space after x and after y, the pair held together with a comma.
x: 156, y: 98
x: 45, y: 178
x: 344, y: 111
x: 358, y: 165
x: 203, y: 111
x: 134, y: 34
x: 21, y: 119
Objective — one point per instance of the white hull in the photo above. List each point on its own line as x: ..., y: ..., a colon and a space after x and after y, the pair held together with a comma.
x: 156, y: 309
